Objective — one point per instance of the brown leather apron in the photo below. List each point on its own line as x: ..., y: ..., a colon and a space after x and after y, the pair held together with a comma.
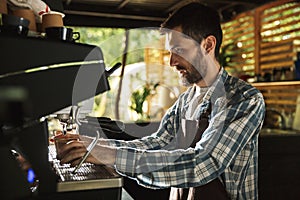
x: 213, y: 190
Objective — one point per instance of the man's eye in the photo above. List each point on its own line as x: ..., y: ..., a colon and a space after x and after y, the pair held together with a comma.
x: 178, y: 50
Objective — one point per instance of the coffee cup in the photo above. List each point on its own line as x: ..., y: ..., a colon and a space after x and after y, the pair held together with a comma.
x: 14, y: 30
x: 62, y: 33
x: 11, y: 20
x: 52, y: 19
x: 27, y: 14
x: 14, y: 25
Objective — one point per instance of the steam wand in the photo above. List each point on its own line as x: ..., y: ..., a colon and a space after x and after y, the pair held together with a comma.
x: 114, y: 68
x: 89, y: 149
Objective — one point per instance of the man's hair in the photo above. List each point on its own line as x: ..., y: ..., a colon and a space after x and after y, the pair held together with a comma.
x: 197, y: 21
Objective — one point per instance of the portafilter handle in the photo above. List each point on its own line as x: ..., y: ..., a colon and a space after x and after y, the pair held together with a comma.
x: 114, y: 68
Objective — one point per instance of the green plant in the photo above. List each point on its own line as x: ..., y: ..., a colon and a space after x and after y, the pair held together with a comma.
x: 139, y: 97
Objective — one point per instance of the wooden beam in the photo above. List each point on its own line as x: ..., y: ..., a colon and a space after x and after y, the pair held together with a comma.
x: 257, y: 40
x: 123, y: 4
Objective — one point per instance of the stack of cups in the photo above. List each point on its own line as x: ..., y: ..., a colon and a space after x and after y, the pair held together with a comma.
x: 53, y: 26
x: 27, y: 14
x: 52, y: 19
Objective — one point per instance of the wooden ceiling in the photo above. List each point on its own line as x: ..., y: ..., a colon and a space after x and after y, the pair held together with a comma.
x: 141, y: 13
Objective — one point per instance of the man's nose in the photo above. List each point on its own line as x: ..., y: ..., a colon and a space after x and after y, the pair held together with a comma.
x: 173, y: 59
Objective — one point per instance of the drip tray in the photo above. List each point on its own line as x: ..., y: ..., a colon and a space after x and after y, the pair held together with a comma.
x: 87, y: 177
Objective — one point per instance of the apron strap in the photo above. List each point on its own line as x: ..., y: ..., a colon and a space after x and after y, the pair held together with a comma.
x: 202, y: 125
x: 213, y: 190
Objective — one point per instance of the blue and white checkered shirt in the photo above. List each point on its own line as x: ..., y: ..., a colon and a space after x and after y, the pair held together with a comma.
x: 228, y: 149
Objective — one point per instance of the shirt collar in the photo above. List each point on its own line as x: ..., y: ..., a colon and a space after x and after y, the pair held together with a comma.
x: 217, y: 89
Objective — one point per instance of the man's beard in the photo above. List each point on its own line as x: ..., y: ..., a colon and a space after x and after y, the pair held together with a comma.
x: 196, y: 72
x: 194, y: 75
x: 191, y: 77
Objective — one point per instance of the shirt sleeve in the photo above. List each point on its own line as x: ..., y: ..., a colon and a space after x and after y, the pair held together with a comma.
x: 231, y: 128
x: 158, y: 140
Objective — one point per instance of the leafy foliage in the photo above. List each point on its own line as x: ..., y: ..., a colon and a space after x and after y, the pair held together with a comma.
x: 111, y: 42
x: 138, y: 98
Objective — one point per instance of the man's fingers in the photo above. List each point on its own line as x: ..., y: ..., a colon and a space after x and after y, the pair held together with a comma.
x: 73, y: 156
x: 72, y: 144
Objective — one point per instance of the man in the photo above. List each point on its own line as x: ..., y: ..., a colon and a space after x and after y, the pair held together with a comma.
x: 207, y: 144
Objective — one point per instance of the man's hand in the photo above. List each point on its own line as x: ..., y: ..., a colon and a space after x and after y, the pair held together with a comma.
x: 73, y: 151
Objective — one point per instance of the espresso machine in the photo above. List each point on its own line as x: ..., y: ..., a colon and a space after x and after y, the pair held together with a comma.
x: 38, y: 78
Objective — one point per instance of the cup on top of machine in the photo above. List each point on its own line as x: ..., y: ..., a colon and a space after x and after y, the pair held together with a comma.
x: 14, y: 25
x: 62, y: 33
x: 27, y: 14
x: 52, y: 19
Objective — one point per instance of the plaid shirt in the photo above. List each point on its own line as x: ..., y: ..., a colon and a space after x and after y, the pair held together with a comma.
x: 228, y: 149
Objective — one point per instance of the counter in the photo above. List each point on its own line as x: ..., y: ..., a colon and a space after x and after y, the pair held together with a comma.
x: 279, y: 162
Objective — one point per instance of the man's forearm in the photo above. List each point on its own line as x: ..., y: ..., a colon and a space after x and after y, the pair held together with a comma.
x: 104, y: 154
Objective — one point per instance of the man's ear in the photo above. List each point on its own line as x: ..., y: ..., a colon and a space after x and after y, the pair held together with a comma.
x: 209, y: 44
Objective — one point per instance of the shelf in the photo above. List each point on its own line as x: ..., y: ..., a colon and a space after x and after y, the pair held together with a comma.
x: 276, y: 85
x: 280, y: 95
